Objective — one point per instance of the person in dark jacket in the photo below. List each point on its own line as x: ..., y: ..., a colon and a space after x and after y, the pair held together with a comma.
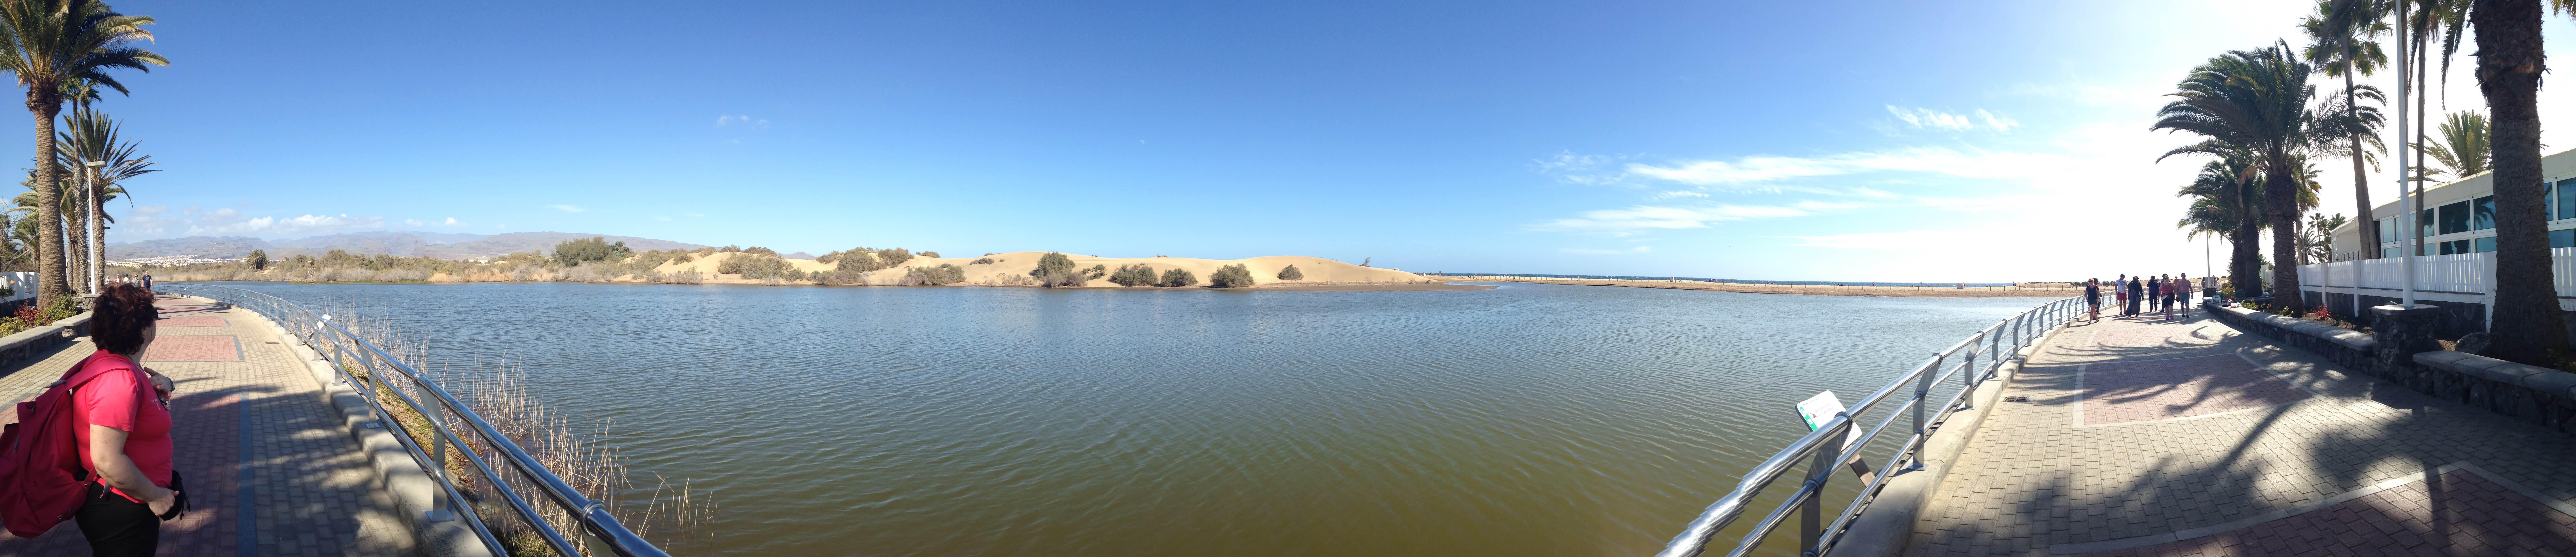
x: 2138, y: 287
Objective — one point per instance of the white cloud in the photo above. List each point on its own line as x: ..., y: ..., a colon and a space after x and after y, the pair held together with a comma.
x: 1638, y: 249
x: 1590, y: 170
x: 1675, y: 194
x: 1935, y: 119
x: 731, y: 119
x: 1635, y: 219
x: 1761, y: 169
x: 568, y: 208
x: 227, y: 222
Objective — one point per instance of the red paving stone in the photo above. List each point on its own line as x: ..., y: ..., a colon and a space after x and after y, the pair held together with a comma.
x: 212, y: 348
x: 193, y: 321
x: 2466, y: 515
x: 206, y: 428
x: 2142, y: 390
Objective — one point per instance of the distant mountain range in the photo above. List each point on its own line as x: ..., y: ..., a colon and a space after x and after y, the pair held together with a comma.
x: 408, y: 244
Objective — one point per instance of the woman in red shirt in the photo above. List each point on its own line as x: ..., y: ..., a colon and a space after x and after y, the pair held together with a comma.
x: 127, y: 444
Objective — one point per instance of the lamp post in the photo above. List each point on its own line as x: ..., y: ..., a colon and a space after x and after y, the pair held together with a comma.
x: 2405, y: 209
x: 97, y: 253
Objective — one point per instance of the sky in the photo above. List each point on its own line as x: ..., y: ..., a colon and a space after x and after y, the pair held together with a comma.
x: 1887, y: 141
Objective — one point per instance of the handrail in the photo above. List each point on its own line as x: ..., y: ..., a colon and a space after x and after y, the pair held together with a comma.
x: 346, y: 349
x: 1823, y: 446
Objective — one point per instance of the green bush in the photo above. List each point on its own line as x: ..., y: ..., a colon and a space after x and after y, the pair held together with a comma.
x: 729, y: 249
x: 1052, y: 264
x: 258, y: 260
x: 981, y: 261
x: 1133, y: 275
x: 1055, y: 269
x: 1231, y: 276
x: 757, y: 250
x: 930, y: 254
x: 756, y: 266
x: 828, y: 258
x: 944, y: 274
x: 573, y: 253
x: 1178, y: 277
x: 863, y: 259
x: 1291, y: 273
x: 1096, y: 271
x: 682, y: 257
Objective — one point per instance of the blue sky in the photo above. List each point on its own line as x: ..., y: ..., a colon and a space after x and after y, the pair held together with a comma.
x: 1863, y: 141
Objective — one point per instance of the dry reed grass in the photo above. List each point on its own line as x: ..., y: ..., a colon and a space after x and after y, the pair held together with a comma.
x: 674, y: 517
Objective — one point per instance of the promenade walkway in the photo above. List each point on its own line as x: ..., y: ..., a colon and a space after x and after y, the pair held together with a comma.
x: 269, y: 468
x: 2155, y: 436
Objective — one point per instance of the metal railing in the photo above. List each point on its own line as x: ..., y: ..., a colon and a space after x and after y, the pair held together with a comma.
x: 1824, y: 449
x: 347, y: 352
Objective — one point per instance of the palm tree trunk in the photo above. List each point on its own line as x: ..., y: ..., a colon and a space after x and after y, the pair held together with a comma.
x: 2366, y: 230
x: 2527, y: 324
x: 50, y: 285
x: 2281, y: 207
x: 77, y: 228
x: 2241, y: 258
x: 98, y: 225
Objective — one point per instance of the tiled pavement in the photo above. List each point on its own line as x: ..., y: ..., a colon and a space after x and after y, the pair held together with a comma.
x: 245, y: 402
x: 2157, y: 436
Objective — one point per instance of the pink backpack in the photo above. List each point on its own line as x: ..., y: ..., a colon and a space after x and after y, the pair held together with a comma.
x: 42, y: 481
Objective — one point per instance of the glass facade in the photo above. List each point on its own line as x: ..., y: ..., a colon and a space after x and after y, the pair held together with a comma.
x: 2455, y: 218
x: 2566, y: 203
x: 2482, y: 245
x: 2483, y: 217
x: 2388, y: 230
x: 2557, y: 239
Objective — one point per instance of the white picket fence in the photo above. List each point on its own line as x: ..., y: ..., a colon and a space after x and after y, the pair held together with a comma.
x: 2460, y: 274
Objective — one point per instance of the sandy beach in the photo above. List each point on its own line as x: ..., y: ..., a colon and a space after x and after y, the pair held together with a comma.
x: 1813, y: 290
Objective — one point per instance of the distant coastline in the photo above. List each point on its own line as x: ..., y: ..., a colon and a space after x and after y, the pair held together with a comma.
x: 756, y: 267
x: 2049, y: 290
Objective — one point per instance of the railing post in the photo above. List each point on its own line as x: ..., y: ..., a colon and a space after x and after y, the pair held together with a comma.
x: 1812, y: 512
x: 1922, y: 391
x: 437, y: 417
x: 1968, y: 376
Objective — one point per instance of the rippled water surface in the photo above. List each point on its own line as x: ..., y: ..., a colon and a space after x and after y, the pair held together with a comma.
x: 1523, y: 420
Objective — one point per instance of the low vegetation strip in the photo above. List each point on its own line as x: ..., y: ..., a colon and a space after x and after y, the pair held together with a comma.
x: 2050, y: 290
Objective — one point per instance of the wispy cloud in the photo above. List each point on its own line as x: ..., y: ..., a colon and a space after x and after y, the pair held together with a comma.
x: 1675, y: 194
x: 1590, y: 170
x: 568, y: 208
x: 1764, y: 169
x: 1632, y: 220
x: 737, y: 119
x: 1935, y: 119
x: 1638, y: 249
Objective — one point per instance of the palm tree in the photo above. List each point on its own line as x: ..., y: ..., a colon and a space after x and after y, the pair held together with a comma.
x: 2223, y: 197
x: 92, y: 137
x: 2344, y: 41
x: 45, y: 43
x: 2320, y: 243
x: 2464, y: 148
x: 2525, y: 320
x: 2255, y: 103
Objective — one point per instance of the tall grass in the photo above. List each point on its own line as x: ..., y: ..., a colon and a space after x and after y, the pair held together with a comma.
x: 677, y: 518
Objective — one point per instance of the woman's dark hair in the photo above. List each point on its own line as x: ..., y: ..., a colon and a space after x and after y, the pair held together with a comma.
x: 123, y: 312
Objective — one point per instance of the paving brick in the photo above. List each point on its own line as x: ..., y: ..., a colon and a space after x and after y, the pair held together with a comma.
x: 311, y: 490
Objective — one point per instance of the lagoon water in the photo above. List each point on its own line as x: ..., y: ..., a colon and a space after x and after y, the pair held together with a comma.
x: 1524, y: 420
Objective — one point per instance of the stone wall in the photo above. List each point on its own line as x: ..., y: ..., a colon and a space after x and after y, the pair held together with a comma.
x: 2536, y: 395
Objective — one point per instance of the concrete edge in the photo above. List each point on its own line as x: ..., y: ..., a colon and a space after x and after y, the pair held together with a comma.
x: 397, y: 471
x: 1886, y: 528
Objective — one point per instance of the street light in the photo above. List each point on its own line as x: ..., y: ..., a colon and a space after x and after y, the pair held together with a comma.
x: 97, y: 230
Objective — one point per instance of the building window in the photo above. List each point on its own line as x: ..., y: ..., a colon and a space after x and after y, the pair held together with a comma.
x: 2388, y: 230
x: 2391, y: 253
x: 2562, y: 238
x: 2549, y: 201
x: 2482, y: 245
x: 2423, y: 224
x: 2483, y: 217
x: 2455, y: 218
x: 2567, y: 203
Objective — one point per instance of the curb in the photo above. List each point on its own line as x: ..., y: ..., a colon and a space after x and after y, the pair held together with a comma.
x: 1890, y: 530
x: 397, y: 471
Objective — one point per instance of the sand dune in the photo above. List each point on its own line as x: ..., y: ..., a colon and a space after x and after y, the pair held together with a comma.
x: 1013, y: 269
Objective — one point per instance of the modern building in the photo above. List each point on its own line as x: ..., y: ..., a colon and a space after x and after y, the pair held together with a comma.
x: 2459, y: 217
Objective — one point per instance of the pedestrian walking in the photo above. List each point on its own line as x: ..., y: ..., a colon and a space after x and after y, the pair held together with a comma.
x: 2137, y: 291
x: 2093, y: 296
x: 2120, y: 294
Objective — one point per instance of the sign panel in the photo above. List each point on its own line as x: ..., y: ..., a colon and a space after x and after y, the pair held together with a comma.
x: 1817, y: 410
